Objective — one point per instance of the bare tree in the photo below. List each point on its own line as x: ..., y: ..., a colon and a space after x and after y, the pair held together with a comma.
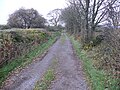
x: 54, y: 16
x: 93, y: 13
x: 113, y: 16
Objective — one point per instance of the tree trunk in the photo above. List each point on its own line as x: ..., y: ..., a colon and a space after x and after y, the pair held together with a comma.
x: 87, y: 39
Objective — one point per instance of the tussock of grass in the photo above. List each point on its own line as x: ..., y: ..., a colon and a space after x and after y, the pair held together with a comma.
x: 48, y: 77
x: 44, y: 84
x: 96, y: 77
x: 63, y: 38
x: 24, y: 60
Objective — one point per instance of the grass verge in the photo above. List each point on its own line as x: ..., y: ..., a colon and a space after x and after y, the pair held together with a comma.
x: 48, y: 77
x: 25, y: 59
x: 97, y: 78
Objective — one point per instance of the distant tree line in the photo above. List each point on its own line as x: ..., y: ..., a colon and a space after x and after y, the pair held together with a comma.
x: 30, y: 18
x: 2, y: 27
x: 26, y: 18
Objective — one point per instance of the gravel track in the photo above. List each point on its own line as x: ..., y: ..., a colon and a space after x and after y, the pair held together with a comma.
x: 70, y: 75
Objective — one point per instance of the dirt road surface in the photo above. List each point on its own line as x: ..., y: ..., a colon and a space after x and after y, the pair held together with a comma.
x: 70, y: 75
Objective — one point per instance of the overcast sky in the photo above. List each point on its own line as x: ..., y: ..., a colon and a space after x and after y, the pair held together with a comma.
x: 7, y: 7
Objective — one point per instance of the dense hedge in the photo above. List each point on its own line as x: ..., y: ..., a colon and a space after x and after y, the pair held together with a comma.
x: 17, y: 43
x: 107, y: 56
x: 105, y: 53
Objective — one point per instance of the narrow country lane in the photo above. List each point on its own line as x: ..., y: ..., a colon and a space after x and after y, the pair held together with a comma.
x: 70, y: 75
